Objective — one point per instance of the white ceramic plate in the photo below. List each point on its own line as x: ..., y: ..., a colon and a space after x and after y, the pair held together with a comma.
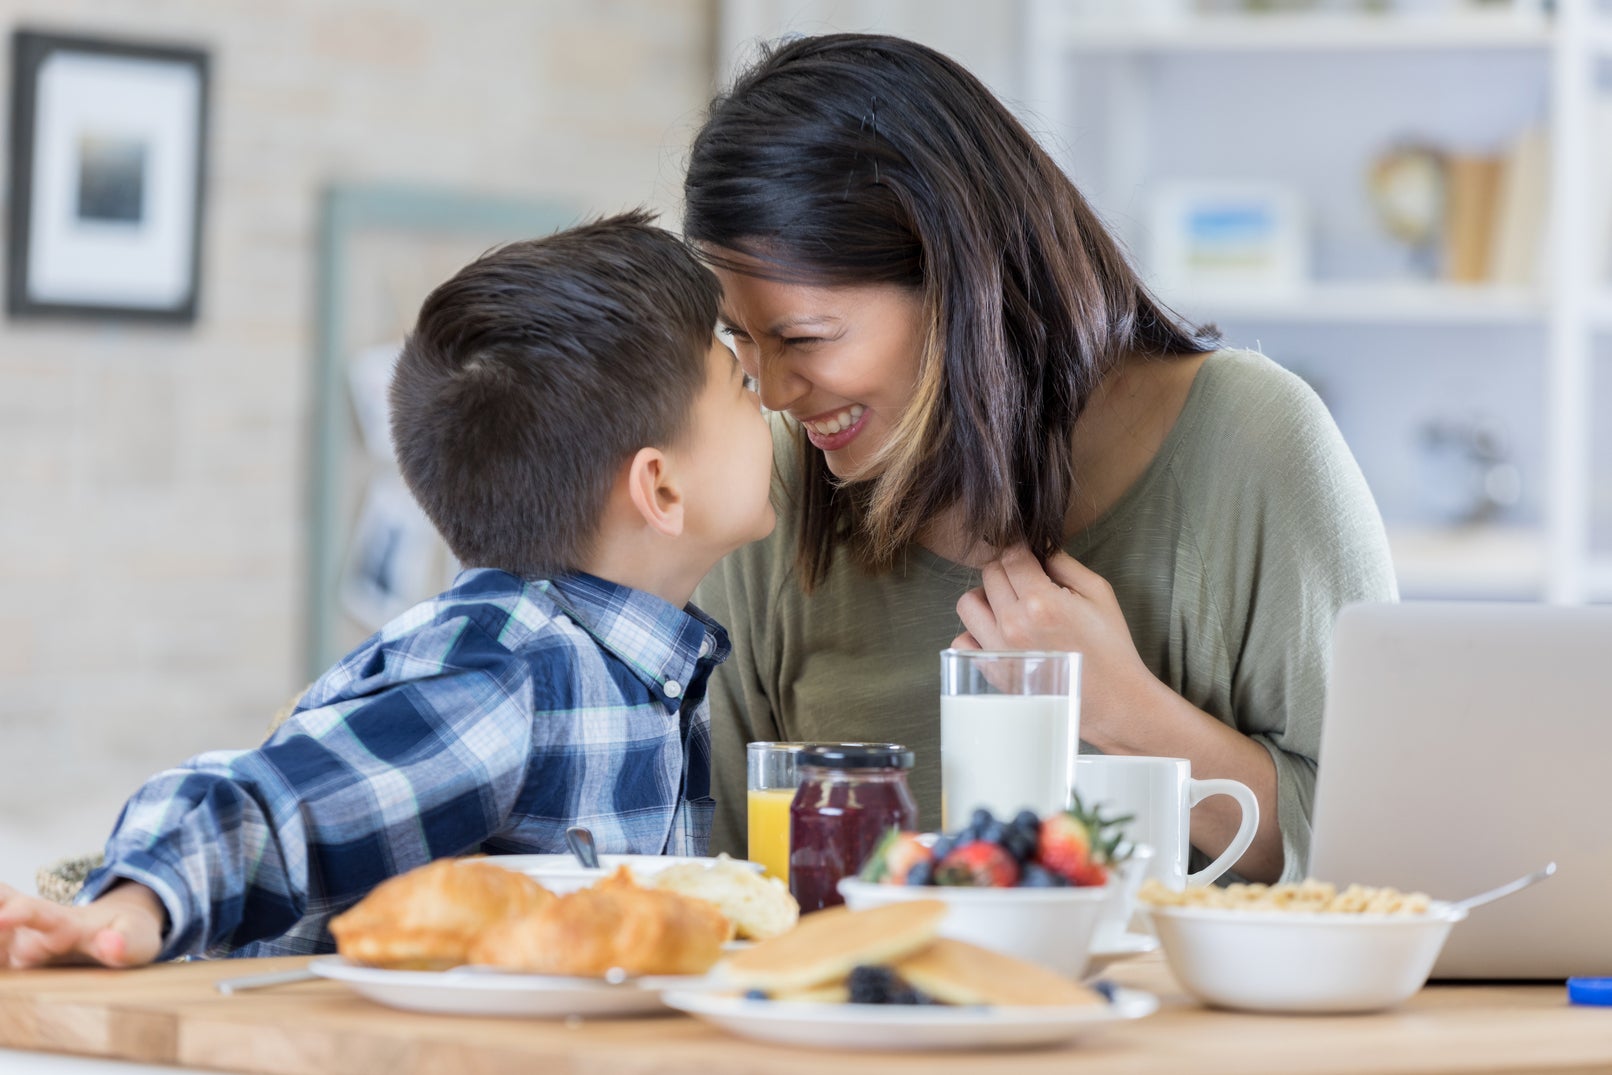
x: 879, y: 1026
x: 1126, y: 945
x: 561, y: 873
x: 467, y: 991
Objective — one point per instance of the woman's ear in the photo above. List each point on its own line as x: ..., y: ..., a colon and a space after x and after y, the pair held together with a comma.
x: 653, y: 490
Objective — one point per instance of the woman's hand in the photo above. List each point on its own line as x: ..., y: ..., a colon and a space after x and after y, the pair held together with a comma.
x: 1064, y: 606
x: 121, y: 929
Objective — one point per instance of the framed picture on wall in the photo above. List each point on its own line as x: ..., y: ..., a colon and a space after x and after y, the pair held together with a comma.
x: 107, y: 155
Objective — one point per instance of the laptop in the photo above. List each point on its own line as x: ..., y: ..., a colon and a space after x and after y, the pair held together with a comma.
x: 1467, y: 744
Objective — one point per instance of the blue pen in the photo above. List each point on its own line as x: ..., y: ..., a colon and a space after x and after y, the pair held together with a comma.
x: 1596, y: 992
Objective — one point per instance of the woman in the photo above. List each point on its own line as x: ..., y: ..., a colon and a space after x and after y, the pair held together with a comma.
x: 987, y: 423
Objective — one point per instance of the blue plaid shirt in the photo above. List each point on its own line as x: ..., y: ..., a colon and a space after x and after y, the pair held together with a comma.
x: 490, y: 718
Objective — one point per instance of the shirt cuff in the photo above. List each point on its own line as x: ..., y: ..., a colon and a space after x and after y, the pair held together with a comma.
x: 182, y: 936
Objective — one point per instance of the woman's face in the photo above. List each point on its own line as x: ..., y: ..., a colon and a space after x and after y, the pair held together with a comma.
x: 842, y: 361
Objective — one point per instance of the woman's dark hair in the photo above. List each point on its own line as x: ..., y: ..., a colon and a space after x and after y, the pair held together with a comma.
x: 535, y: 373
x: 856, y: 159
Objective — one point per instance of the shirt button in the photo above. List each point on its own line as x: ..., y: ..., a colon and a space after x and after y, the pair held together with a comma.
x: 673, y: 688
x: 705, y: 646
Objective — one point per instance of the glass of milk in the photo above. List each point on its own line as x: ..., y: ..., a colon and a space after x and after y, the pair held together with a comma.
x: 1009, y: 732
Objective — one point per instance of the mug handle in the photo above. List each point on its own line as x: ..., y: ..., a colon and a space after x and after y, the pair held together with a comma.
x: 1197, y: 792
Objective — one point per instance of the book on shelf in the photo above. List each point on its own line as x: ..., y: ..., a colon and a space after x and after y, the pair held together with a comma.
x: 1495, y: 213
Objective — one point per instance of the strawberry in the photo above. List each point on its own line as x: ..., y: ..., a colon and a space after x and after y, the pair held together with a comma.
x: 1080, y: 844
x: 894, y: 857
x: 978, y: 864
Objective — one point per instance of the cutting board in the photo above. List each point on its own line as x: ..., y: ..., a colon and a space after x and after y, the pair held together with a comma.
x: 172, y: 1014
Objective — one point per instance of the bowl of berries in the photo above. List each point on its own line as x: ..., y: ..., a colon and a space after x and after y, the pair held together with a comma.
x: 1030, y: 887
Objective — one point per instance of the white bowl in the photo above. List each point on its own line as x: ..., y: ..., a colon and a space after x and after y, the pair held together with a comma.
x: 1050, y: 926
x: 562, y: 873
x: 1278, y: 961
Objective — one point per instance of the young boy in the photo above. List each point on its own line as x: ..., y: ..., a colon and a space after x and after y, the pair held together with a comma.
x: 588, y: 449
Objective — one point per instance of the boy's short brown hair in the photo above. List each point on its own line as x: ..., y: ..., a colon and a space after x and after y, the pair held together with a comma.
x: 535, y: 373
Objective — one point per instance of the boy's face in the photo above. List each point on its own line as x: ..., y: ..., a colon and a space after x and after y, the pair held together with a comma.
x: 727, y: 459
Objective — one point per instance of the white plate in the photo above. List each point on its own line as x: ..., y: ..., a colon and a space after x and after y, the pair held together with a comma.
x: 1126, y: 945
x: 881, y: 1026
x: 561, y: 873
x: 466, y: 991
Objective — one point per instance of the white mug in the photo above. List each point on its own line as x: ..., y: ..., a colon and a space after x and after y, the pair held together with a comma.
x: 1160, y: 794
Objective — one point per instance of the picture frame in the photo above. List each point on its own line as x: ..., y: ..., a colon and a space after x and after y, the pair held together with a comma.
x: 108, y: 157
x: 1213, y: 239
x: 381, y: 249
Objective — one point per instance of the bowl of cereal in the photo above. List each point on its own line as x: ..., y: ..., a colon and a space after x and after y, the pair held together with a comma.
x: 1307, y: 947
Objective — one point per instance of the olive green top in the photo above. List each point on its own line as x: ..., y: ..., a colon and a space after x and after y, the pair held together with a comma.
x: 1230, y: 557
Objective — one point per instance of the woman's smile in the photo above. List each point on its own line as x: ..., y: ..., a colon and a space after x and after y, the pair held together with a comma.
x: 833, y: 430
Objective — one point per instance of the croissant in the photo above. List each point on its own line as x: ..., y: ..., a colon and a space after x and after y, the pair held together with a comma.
x: 615, y: 924
x: 426, y: 919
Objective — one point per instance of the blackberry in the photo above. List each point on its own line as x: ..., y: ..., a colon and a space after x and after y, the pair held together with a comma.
x: 921, y: 873
x: 874, y: 985
x: 1021, y: 845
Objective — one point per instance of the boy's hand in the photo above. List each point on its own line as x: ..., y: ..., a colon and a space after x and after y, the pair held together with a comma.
x: 121, y: 929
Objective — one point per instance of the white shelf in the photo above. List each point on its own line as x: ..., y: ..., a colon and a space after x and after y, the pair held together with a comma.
x: 1370, y: 303
x: 1309, y: 31
x: 1598, y: 577
x: 1496, y: 562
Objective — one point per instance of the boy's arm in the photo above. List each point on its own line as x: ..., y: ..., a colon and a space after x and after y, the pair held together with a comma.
x: 244, y: 846
x: 121, y: 929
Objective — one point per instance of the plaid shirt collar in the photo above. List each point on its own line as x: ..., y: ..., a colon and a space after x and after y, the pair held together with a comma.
x: 663, y: 645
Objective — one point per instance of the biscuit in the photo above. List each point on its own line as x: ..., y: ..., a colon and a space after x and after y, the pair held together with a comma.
x: 759, y: 907
x: 825, y: 946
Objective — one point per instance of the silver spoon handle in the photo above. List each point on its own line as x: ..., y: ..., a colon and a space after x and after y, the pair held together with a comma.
x: 1506, y: 889
x: 228, y: 986
x: 580, y: 841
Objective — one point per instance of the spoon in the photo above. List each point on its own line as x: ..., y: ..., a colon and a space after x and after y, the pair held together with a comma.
x: 580, y: 841
x: 1506, y: 889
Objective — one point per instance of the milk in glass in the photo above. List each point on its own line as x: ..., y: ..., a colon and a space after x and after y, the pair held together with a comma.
x: 1006, y: 752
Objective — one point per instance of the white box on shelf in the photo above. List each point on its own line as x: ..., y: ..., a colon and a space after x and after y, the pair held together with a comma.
x: 1228, y: 238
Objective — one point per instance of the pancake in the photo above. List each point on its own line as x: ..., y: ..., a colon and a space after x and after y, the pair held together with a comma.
x: 825, y: 946
x: 956, y: 972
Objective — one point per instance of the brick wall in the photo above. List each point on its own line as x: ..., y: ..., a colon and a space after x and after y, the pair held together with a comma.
x: 153, y: 480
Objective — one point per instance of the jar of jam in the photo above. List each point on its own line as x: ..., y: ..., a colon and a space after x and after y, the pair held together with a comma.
x: 850, y: 794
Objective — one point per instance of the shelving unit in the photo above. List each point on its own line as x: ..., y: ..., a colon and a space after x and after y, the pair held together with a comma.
x: 1553, y: 561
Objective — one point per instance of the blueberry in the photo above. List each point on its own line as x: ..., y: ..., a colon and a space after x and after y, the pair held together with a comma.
x: 995, y: 833
x: 755, y: 994
x: 943, y: 847
x: 1106, y: 988
x: 921, y: 873
x: 874, y: 985
x: 1026, y: 819
x: 978, y: 822
x: 1035, y: 875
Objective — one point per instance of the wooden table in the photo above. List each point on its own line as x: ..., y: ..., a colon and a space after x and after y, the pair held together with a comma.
x: 172, y: 1015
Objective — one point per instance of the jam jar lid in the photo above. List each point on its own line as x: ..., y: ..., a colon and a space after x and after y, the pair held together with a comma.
x: 856, y: 756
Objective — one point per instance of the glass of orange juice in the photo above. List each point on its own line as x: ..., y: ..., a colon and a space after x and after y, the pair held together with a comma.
x: 772, y: 781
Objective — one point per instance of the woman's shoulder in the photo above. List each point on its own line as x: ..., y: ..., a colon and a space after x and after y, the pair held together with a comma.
x: 1243, y: 402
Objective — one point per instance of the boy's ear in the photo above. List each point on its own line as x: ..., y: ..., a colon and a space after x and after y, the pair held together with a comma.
x: 654, y: 492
